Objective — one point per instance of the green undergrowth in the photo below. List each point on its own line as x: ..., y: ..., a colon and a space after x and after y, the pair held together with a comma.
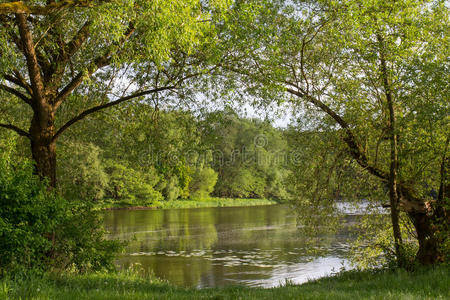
x: 422, y: 284
x: 210, y: 202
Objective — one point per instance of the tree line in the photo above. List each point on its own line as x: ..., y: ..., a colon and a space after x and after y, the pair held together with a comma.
x: 168, y: 155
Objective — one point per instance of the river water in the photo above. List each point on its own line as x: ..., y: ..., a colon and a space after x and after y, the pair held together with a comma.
x: 213, y: 247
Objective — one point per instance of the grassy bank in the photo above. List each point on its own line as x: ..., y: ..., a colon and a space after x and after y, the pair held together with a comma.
x: 211, y: 202
x: 423, y: 284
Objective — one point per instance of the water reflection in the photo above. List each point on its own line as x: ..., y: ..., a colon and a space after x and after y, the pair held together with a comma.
x: 207, y: 247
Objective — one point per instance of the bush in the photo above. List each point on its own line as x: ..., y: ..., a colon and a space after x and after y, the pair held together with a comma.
x: 247, y: 184
x: 41, y: 230
x: 132, y: 186
x: 172, y: 190
x: 375, y: 248
x: 80, y: 173
x: 203, y: 182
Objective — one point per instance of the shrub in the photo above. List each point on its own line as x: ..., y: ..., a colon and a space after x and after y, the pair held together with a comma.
x: 80, y: 173
x: 43, y: 231
x: 203, y: 182
x: 374, y: 246
x: 133, y: 186
x: 172, y: 190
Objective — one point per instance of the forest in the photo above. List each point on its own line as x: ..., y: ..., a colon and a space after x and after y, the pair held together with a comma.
x: 311, y: 120
x: 169, y: 155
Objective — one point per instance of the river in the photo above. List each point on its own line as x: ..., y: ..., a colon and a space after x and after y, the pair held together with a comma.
x: 213, y: 247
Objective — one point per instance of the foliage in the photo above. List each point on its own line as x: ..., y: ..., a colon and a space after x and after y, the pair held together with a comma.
x: 41, y: 230
x: 216, y: 202
x: 27, y: 215
x: 80, y: 172
x: 203, y: 183
x: 249, y: 156
x: 171, y: 189
x: 197, y: 203
x: 132, y: 186
x: 76, y: 58
x: 374, y: 247
x: 178, y: 154
x: 367, y: 82
x: 374, y: 75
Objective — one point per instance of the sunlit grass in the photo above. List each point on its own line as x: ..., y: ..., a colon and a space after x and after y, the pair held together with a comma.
x: 216, y: 202
x: 195, y: 203
x: 422, y: 284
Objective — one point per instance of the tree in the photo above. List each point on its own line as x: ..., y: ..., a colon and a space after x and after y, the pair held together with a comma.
x: 248, y: 155
x: 81, y: 175
x: 203, y: 182
x: 85, y: 56
x: 375, y: 73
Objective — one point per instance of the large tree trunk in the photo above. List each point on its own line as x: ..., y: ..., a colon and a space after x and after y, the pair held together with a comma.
x: 43, y: 148
x: 429, y: 251
x: 432, y: 225
x: 44, y: 156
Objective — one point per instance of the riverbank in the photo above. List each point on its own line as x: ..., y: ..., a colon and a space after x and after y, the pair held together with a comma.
x: 422, y: 284
x: 211, y: 202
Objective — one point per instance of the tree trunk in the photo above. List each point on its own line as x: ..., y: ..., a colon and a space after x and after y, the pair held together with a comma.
x: 43, y: 148
x: 433, y: 225
x: 44, y: 156
x: 429, y: 252
x: 394, y: 163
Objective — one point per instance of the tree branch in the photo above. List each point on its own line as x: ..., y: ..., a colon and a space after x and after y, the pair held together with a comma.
x: 19, y: 131
x: 16, y: 93
x: 19, y: 7
x: 64, y: 54
x: 30, y: 55
x: 98, y: 63
x: 356, y: 150
x: 20, y: 81
x: 16, y: 40
x: 45, y: 65
x: 408, y: 200
x: 106, y: 105
x: 77, y: 41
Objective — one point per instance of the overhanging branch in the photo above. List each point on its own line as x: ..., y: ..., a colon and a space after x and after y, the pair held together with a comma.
x: 409, y: 201
x: 16, y: 93
x: 355, y: 149
x: 77, y: 41
x: 106, y: 105
x: 19, y: 7
x: 20, y: 81
x: 19, y: 131
x: 101, y: 61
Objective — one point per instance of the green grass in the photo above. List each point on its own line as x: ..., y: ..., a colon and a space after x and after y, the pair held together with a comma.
x: 422, y: 284
x: 211, y: 202
x: 216, y: 202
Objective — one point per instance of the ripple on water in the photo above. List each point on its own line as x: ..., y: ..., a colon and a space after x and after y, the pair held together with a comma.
x: 253, y: 246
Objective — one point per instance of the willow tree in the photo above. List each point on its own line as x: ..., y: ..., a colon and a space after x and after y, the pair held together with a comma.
x: 80, y: 57
x: 373, y: 72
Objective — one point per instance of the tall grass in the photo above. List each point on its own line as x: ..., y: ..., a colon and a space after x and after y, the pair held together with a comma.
x: 422, y: 284
x: 215, y: 202
x: 193, y: 203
